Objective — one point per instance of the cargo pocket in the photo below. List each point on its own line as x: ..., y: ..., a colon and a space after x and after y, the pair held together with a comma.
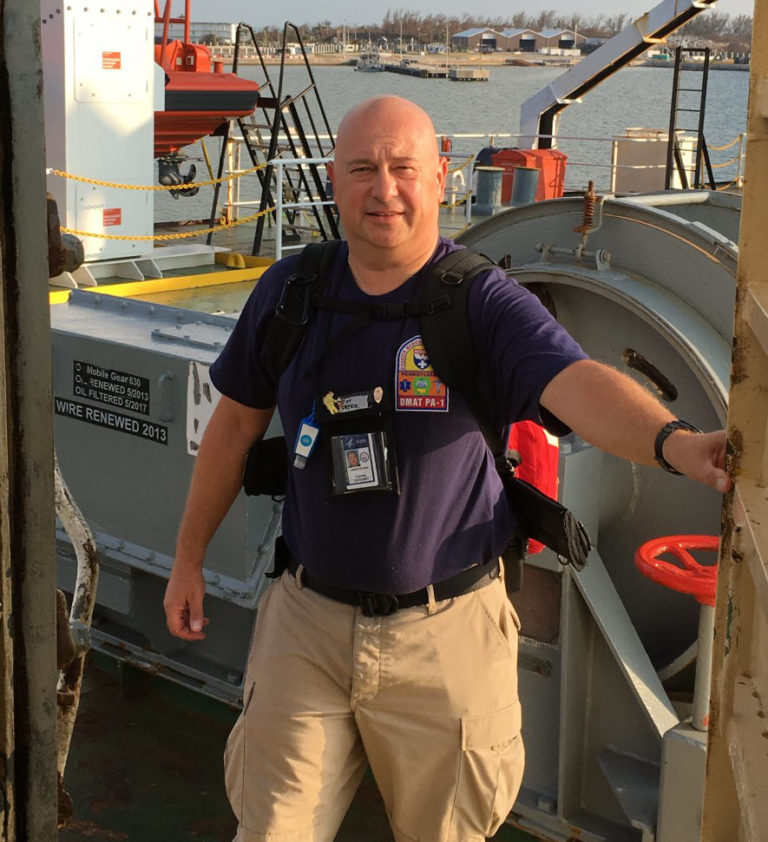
x: 234, y: 756
x: 490, y: 771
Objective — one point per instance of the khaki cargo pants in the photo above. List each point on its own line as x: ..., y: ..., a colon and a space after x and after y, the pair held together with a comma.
x: 427, y: 696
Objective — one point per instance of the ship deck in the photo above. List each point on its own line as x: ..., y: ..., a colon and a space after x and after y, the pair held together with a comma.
x: 146, y: 764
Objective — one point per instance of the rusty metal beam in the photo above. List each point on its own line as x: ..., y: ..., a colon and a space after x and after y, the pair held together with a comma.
x: 27, y: 554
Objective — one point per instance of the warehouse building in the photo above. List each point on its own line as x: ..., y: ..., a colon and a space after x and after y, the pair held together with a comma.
x: 523, y: 40
x: 478, y: 40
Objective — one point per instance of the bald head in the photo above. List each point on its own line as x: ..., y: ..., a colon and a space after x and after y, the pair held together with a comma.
x: 386, y: 112
x: 388, y: 180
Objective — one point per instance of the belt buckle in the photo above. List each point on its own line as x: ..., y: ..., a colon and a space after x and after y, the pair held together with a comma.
x: 378, y: 604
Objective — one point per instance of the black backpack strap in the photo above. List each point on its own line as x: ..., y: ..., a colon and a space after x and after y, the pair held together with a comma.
x: 296, y: 305
x: 447, y: 335
x: 302, y: 294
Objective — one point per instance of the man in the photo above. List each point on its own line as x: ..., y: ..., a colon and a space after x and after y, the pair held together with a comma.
x: 428, y: 694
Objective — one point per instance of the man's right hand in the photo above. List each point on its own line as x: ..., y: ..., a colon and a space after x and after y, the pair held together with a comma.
x: 183, y: 603
x: 216, y: 481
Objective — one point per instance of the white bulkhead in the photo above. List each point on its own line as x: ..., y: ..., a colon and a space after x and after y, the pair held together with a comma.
x: 98, y: 73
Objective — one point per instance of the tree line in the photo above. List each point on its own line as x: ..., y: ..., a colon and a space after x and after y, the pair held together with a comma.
x: 709, y: 25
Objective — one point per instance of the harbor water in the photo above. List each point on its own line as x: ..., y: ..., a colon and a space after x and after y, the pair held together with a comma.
x: 638, y: 97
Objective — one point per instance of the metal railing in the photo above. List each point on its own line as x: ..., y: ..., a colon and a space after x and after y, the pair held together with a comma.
x: 623, y: 170
x: 580, y: 171
x: 455, y: 196
x: 299, y: 204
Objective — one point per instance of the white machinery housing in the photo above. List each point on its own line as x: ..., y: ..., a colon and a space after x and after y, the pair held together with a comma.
x: 98, y: 67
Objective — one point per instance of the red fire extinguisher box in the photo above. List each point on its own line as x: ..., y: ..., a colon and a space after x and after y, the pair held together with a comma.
x: 550, y: 163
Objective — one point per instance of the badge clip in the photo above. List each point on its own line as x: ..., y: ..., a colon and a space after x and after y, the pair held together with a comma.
x: 306, y: 439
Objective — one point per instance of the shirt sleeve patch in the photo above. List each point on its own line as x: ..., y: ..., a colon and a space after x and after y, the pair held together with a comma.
x: 417, y: 386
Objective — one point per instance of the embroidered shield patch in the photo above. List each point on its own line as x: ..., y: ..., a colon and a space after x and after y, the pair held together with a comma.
x: 416, y: 384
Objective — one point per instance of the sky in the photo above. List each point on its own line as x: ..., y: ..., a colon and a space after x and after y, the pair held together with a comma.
x: 354, y: 12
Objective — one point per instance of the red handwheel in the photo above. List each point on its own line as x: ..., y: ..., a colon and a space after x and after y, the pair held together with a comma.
x: 698, y: 580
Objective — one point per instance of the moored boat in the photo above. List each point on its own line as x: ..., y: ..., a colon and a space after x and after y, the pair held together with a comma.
x: 370, y: 62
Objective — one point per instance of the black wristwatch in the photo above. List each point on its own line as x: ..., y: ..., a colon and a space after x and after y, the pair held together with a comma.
x: 662, y: 436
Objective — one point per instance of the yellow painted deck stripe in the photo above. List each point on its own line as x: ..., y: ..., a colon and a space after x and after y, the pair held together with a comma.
x: 59, y: 297
x: 181, y: 282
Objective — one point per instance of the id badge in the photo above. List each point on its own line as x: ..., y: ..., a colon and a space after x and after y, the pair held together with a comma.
x: 358, y: 453
x: 358, y: 430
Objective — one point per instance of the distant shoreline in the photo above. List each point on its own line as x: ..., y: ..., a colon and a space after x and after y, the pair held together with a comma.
x: 478, y: 59
x: 432, y: 59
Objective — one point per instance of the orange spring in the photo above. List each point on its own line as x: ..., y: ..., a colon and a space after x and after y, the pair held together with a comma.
x: 590, y: 202
x: 589, y: 210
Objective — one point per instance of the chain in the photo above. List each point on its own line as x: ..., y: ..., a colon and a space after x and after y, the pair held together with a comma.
x: 117, y: 186
x: 179, y: 236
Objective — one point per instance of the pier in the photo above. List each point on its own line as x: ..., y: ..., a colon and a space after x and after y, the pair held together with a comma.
x: 435, y: 71
x: 469, y: 74
x: 422, y: 71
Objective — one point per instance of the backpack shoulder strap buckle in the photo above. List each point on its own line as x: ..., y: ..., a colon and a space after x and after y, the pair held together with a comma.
x: 451, y: 277
x: 435, y: 305
x: 295, y: 301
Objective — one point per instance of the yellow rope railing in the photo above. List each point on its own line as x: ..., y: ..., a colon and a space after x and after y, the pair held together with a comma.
x: 179, y: 236
x: 100, y: 182
x: 726, y: 163
x: 723, y: 148
x: 461, y: 230
x: 466, y: 163
x: 457, y: 201
x: 736, y: 181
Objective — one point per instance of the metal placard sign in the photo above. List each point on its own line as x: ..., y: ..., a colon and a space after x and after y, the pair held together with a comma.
x: 106, y: 385
x: 120, y: 390
x: 111, y: 420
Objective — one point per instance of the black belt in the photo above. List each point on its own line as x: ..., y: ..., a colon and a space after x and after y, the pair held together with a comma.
x: 383, y: 604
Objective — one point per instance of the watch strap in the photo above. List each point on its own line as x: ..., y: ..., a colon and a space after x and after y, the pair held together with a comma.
x: 661, y: 437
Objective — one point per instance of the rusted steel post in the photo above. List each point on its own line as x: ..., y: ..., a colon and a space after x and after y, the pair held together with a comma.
x: 735, y: 806
x: 27, y: 556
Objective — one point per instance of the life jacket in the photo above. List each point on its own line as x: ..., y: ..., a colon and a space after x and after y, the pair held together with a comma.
x: 441, y: 307
x: 536, y: 453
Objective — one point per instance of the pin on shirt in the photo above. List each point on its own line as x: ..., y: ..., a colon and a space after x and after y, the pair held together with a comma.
x: 353, y: 401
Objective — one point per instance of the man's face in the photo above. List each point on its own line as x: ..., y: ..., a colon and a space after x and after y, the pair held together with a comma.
x: 388, y: 180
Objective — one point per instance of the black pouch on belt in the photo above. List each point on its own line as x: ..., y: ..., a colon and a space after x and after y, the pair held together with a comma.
x: 548, y: 521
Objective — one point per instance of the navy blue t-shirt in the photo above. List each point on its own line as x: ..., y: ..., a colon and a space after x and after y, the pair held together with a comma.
x: 451, y: 511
